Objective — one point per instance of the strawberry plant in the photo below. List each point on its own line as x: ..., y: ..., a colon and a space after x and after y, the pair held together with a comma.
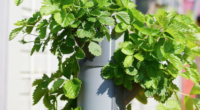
x: 155, y: 49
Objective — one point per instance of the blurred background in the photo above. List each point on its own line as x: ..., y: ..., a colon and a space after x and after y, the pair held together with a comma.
x: 18, y: 70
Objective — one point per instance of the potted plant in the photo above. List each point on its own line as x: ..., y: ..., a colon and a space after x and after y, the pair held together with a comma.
x: 154, y: 51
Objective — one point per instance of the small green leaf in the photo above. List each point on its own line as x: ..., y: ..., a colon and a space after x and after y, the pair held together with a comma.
x: 56, y: 85
x: 123, y: 17
x: 14, y: 33
x: 172, y: 105
x: 175, y: 61
x: 18, y: 2
x: 67, y: 3
x: 120, y: 27
x: 86, y: 33
x: 139, y: 56
x: 161, y: 107
x: 138, y: 15
x: 95, y: 49
x: 63, y: 18
x: 78, y: 108
x: 98, y: 37
x: 195, y: 89
x: 127, y: 48
x: 188, y: 103
x: 141, y: 27
x: 81, y: 12
x: 71, y: 88
x: 75, y: 23
x: 42, y: 32
x: 92, y: 19
x: 118, y: 71
x: 151, y: 72
x: 131, y: 71
x: 38, y: 94
x: 128, y: 61
x: 119, y: 81
x: 129, y: 107
x: 141, y: 98
x: 89, y: 4
x: 47, y: 10
x: 193, y: 74
x: 107, y: 21
x: 47, y: 2
x: 196, y: 50
x: 162, y: 19
x: 46, y: 101
x: 79, y: 53
x: 108, y: 70
x: 95, y: 12
x: 127, y: 84
x: 70, y: 41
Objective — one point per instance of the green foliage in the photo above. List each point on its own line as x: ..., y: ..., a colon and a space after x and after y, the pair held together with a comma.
x: 76, y: 28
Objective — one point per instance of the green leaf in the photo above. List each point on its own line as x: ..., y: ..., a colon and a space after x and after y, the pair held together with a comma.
x: 151, y: 72
x: 193, y: 74
x: 56, y: 85
x: 161, y: 107
x: 172, y: 30
x: 188, y: 103
x: 127, y: 84
x: 138, y: 77
x: 118, y: 72
x: 38, y: 94
x: 129, y: 107
x: 162, y: 19
x: 149, y: 92
x: 183, y: 28
x: 131, y: 71
x: 175, y: 61
x: 18, y: 2
x: 128, y: 61
x: 70, y: 41
x: 81, y: 12
x: 89, y: 4
x: 195, y: 89
x: 172, y: 105
x: 119, y: 56
x: 14, y: 33
x: 47, y: 2
x: 127, y: 48
x: 86, y: 33
x: 42, y: 32
x: 103, y: 3
x: 95, y: 12
x: 79, y: 53
x: 67, y: 3
x: 95, y: 49
x: 46, y: 100
x: 107, y: 21
x: 161, y: 53
x: 98, y: 37
x: 151, y: 83
x: 141, y: 98
x: 71, y: 88
x: 138, y: 15
x: 63, y: 18
x: 75, y: 23
x: 184, y: 75
x: 47, y: 10
x: 120, y: 27
x: 78, y: 108
x: 66, y: 49
x: 54, y: 27
x: 123, y: 17
x: 139, y: 56
x: 196, y: 50
x: 105, y: 30
x: 37, y: 81
x: 108, y: 70
x: 92, y: 19
x: 141, y: 27
x: 119, y: 81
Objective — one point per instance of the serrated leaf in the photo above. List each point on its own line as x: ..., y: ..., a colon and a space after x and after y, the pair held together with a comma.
x: 162, y: 19
x: 119, y: 81
x: 63, y: 18
x: 175, y: 61
x: 195, y: 89
x: 47, y: 2
x: 138, y: 77
x: 161, y: 107
x: 86, y: 33
x: 95, y: 49
x: 81, y: 12
x: 89, y: 4
x: 66, y: 49
x: 103, y: 3
x: 105, y: 30
x: 139, y: 56
x: 184, y: 75
x: 79, y: 53
x: 149, y: 92
x: 42, y: 32
x: 18, y: 2
x: 37, y: 81
x: 108, y: 70
x: 70, y: 41
x: 128, y: 61
x: 56, y: 85
x: 46, y: 100
x: 95, y: 12
x: 151, y: 72
x: 127, y: 84
x: 47, y: 10
x: 127, y: 48
x: 118, y: 72
x: 161, y: 53
x: 120, y: 27
x: 107, y: 21
x: 75, y: 23
x: 119, y: 56
x: 196, y: 50
x: 123, y: 17
x: 193, y: 74
x: 67, y: 3
x: 138, y: 15
x: 14, y: 33
x: 92, y: 19
x: 172, y: 30
x: 105, y: 13
x: 71, y: 88
x: 188, y: 103
x: 183, y: 28
x: 151, y: 83
x: 38, y: 94
x: 98, y: 37
x: 131, y: 71
x: 141, y: 27
x: 172, y: 105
